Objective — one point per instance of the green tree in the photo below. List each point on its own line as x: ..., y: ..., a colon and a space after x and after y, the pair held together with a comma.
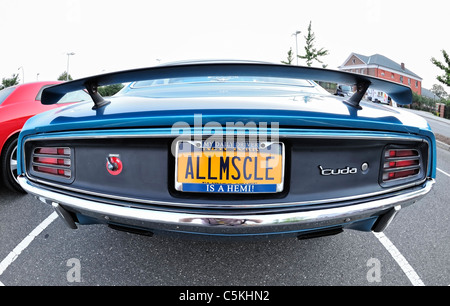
x: 311, y: 53
x: 8, y: 82
x: 444, y: 79
x: 290, y: 58
x: 109, y: 90
x: 439, y: 91
x: 423, y: 103
x: 63, y: 77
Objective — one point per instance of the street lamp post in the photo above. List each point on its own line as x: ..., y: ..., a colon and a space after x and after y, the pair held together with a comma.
x: 23, y: 73
x: 67, y: 72
x: 296, y: 44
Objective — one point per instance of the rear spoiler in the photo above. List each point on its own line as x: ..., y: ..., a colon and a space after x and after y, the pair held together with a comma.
x: 399, y: 93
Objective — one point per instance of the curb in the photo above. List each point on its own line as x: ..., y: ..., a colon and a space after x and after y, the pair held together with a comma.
x: 442, y: 145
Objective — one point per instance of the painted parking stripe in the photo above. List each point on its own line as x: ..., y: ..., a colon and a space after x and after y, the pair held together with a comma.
x: 443, y: 172
x: 413, y: 277
x: 400, y: 259
x: 5, y: 263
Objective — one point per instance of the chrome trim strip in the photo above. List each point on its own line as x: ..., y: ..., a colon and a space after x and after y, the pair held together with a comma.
x: 227, y: 224
x: 175, y: 135
x: 222, y: 205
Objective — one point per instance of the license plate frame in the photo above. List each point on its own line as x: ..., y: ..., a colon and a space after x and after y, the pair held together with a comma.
x: 261, y: 167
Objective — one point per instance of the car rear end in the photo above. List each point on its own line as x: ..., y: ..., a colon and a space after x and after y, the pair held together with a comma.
x: 330, y: 180
x: 292, y: 165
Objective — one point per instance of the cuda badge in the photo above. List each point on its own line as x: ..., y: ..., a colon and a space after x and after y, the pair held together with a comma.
x: 114, y: 164
x: 342, y: 171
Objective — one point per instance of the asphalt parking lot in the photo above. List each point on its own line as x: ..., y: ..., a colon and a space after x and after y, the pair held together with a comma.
x: 36, y: 248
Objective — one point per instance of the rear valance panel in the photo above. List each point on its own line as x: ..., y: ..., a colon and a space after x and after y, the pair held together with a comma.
x: 317, y: 170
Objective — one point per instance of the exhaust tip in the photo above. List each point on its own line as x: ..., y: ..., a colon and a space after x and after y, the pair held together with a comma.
x: 386, y: 219
x: 132, y: 230
x: 65, y: 215
x: 320, y: 233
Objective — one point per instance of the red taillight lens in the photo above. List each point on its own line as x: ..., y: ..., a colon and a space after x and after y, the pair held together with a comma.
x: 400, y: 164
x: 401, y: 153
x: 53, y: 160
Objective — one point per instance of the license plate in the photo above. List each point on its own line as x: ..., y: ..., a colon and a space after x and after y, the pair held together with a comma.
x: 229, y: 167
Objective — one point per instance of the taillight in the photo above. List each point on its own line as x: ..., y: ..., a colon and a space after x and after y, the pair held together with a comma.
x: 55, y: 161
x: 400, y: 164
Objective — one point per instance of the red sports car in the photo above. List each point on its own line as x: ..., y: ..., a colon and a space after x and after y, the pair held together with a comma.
x: 17, y: 104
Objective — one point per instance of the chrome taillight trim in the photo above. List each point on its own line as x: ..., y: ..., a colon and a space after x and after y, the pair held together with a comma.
x: 418, y: 171
x: 52, y: 170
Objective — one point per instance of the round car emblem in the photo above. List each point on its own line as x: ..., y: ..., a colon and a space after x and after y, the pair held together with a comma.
x: 114, y: 164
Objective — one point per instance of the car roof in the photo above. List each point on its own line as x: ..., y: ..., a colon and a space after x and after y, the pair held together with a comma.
x: 27, y: 91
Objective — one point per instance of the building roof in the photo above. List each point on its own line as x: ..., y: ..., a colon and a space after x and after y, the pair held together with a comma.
x: 429, y: 94
x: 381, y: 60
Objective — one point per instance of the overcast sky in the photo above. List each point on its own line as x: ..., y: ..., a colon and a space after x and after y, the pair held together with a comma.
x: 111, y: 35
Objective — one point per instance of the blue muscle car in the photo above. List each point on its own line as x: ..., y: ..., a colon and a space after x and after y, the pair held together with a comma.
x: 228, y: 148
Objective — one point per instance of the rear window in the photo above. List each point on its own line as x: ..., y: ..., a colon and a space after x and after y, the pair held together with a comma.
x: 346, y: 88
x: 75, y: 96
x: 4, y: 93
x: 222, y: 79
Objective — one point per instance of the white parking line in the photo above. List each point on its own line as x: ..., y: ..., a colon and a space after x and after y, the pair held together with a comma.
x: 443, y: 172
x: 400, y: 259
x: 5, y: 263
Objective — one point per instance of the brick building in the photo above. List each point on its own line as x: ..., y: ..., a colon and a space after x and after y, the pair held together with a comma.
x: 382, y: 67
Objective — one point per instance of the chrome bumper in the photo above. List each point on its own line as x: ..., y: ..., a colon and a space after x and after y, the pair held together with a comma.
x: 233, y: 225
